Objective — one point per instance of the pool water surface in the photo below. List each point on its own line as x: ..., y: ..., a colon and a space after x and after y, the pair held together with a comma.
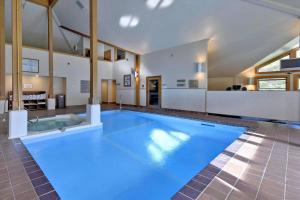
x: 135, y: 156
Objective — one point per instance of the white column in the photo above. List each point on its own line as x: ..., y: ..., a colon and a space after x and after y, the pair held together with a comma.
x: 17, y: 123
x: 93, y: 114
x: 51, y: 104
x: 3, y: 106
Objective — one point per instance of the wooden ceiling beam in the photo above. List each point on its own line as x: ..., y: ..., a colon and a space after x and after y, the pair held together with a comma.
x: 100, y: 41
x: 45, y: 3
x: 52, y: 3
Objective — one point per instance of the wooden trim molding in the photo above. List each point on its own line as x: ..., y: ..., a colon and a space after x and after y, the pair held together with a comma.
x: 137, y: 79
x: 94, y: 52
x: 17, y: 54
x: 291, y: 53
x: 287, y: 77
x: 2, y: 50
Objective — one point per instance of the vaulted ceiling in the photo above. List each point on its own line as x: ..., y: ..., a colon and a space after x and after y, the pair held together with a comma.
x: 241, y: 32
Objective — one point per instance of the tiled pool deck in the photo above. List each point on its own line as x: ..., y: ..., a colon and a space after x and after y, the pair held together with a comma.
x: 264, y: 163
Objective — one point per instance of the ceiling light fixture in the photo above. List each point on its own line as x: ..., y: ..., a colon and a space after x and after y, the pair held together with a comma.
x: 166, y: 3
x: 153, y: 4
x: 129, y: 21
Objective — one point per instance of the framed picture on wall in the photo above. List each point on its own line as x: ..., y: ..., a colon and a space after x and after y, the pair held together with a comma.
x: 127, y: 80
x: 30, y: 65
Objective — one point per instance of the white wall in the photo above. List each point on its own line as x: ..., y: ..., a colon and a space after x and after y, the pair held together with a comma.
x: 121, y: 68
x: 173, y: 64
x: 184, y: 99
x: 263, y: 104
x: 73, y: 68
x: 38, y: 84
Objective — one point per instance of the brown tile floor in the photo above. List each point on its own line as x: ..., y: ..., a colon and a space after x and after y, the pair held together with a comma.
x: 266, y: 166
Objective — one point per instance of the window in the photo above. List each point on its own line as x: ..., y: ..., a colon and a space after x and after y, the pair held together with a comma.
x: 121, y: 54
x: 297, y: 82
x: 298, y: 54
x: 107, y: 55
x: 272, y: 67
x: 272, y: 84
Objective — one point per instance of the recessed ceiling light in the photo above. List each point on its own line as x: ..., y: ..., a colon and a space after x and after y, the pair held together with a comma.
x: 134, y: 22
x: 129, y: 21
x: 153, y: 4
x: 166, y: 3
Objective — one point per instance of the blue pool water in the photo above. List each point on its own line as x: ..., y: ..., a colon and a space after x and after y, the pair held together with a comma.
x: 135, y: 156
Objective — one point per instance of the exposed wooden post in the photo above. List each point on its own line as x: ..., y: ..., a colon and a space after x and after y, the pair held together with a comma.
x: 50, y: 48
x: 17, y: 54
x: 94, y: 53
x: 52, y: 3
x: 2, y: 50
x: 293, y: 53
x: 137, y: 79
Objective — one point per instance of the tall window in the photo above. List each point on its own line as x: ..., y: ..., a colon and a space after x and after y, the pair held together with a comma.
x: 298, y: 54
x: 272, y: 84
x: 297, y: 82
x: 272, y: 67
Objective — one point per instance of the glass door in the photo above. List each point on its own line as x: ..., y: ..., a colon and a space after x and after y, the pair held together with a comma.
x: 154, y: 91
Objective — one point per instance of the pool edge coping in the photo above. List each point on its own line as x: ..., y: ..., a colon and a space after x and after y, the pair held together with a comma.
x: 42, y: 186
x: 192, y: 191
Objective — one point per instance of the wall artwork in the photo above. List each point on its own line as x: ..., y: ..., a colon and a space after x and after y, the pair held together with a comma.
x: 127, y: 80
x: 30, y: 65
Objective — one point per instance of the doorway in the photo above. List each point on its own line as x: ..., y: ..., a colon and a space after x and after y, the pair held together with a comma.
x: 154, y: 91
x: 108, y: 91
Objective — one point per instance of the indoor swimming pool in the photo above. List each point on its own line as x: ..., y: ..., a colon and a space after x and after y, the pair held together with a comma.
x: 135, y: 156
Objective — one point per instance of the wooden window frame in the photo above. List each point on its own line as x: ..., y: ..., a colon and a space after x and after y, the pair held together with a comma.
x: 296, y: 81
x: 291, y: 53
x: 287, y: 77
x: 116, y: 54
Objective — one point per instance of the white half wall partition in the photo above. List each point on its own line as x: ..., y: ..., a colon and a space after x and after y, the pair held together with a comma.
x: 125, y: 96
x: 262, y: 104
x: 184, y: 99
